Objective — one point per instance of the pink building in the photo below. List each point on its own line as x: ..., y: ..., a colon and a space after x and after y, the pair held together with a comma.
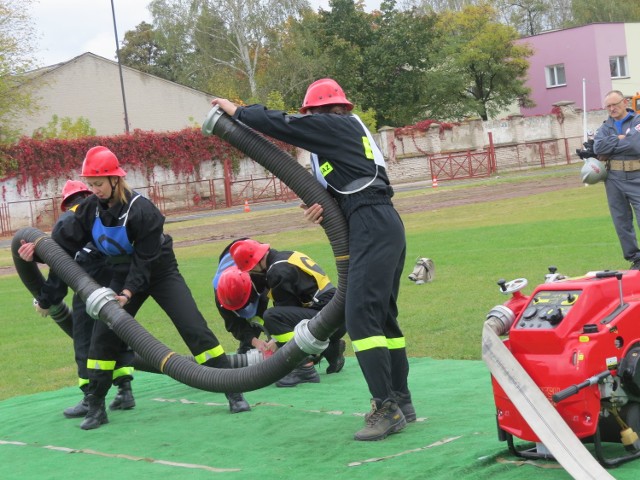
x: 594, y: 58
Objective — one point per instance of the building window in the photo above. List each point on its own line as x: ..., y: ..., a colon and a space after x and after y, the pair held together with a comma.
x: 555, y: 75
x: 618, y: 66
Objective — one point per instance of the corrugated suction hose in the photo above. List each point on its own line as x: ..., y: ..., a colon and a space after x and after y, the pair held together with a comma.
x: 311, y: 337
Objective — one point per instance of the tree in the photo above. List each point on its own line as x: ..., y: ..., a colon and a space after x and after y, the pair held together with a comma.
x: 143, y: 50
x: 396, y: 64
x: 227, y: 34
x: 481, y: 70
x: 16, y: 60
x: 592, y: 11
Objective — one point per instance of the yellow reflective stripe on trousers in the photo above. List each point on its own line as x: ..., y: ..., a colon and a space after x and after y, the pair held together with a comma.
x: 82, y: 382
x: 101, y: 364
x: 209, y: 354
x: 378, y: 342
x: 283, y: 337
x: 123, y: 372
x: 395, y: 343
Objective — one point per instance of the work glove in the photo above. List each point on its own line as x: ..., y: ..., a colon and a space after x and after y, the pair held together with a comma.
x: 587, y: 150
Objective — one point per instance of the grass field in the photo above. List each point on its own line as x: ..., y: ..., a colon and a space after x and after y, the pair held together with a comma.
x: 472, y: 247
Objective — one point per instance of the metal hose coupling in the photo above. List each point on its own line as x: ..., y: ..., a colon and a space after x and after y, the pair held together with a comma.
x: 500, y: 319
x: 306, y: 341
x: 97, y: 300
x: 212, y: 118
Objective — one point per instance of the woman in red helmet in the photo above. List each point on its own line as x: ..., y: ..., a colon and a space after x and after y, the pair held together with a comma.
x: 128, y: 229
x: 347, y: 162
x: 53, y: 292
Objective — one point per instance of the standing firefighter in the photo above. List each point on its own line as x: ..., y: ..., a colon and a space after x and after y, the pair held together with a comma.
x: 347, y: 162
x: 128, y: 229
x: 53, y: 292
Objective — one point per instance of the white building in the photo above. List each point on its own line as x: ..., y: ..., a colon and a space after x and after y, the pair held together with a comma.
x: 89, y: 86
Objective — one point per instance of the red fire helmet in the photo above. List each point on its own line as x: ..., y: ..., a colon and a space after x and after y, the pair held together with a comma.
x: 247, y: 253
x: 71, y: 188
x: 325, y: 91
x: 101, y: 162
x: 234, y: 288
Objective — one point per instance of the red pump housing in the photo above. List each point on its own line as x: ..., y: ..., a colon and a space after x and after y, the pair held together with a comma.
x: 567, y: 331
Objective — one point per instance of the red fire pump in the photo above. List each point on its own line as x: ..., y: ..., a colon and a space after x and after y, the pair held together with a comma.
x: 579, y: 341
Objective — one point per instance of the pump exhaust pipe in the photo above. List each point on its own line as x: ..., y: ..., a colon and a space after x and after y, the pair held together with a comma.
x: 310, y: 337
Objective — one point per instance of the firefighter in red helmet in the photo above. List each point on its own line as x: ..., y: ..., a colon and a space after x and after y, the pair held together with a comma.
x: 299, y: 288
x: 128, y: 229
x: 346, y: 161
x: 54, y: 291
x: 241, y: 302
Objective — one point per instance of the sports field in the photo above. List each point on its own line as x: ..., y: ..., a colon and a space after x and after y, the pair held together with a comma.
x: 476, y: 233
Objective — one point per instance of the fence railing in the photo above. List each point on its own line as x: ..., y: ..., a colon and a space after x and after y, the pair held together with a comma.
x: 199, y: 195
x: 222, y: 192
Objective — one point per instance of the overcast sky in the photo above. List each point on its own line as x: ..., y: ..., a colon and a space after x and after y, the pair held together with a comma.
x: 68, y: 28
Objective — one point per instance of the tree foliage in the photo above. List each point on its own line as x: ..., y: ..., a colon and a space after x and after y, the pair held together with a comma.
x: 65, y: 128
x: 480, y: 69
x: 592, y: 11
x: 397, y: 64
x: 16, y: 59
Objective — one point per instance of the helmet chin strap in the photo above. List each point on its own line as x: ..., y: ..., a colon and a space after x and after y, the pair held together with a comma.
x: 113, y: 187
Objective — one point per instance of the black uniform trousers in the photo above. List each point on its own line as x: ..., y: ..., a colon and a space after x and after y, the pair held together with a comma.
x: 377, y: 250
x: 94, y: 264
x: 170, y: 291
x: 281, y: 320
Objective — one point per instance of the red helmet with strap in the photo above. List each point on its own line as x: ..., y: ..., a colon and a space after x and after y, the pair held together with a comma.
x: 234, y: 288
x: 248, y: 253
x: 325, y: 91
x: 70, y: 189
x: 101, y: 162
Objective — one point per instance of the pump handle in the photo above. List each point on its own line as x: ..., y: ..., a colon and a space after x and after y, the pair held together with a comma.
x: 573, y: 389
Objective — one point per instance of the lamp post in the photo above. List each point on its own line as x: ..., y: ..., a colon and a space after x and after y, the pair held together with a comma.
x: 124, y: 98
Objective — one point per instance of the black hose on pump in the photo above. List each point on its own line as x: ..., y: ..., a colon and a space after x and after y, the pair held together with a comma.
x: 101, y: 303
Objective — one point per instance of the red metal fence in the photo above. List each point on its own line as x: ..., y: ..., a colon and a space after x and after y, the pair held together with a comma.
x: 172, y: 198
x: 222, y: 192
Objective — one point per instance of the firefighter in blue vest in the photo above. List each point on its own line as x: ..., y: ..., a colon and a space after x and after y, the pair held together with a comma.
x: 348, y: 163
x: 299, y: 288
x: 54, y: 291
x: 128, y: 229
x: 241, y: 303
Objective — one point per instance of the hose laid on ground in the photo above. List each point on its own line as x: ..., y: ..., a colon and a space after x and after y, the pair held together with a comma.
x: 310, y: 337
x: 533, y: 405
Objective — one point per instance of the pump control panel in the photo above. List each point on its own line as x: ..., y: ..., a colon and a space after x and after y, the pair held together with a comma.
x: 547, y: 309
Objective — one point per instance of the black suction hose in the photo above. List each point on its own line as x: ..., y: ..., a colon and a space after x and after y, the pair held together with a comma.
x: 32, y: 278
x: 101, y: 303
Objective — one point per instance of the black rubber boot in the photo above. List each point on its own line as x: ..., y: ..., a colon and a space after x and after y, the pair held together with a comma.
x: 302, y: 374
x: 124, y: 398
x: 77, y: 411
x: 334, y: 354
x: 237, y: 403
x: 97, y: 414
x: 405, y: 404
